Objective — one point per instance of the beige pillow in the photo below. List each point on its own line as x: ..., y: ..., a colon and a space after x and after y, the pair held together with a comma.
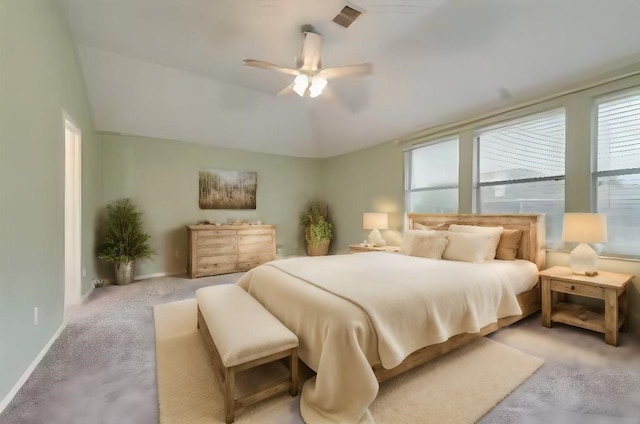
x: 508, y: 246
x: 428, y: 244
x: 466, y: 247
x: 407, y: 240
x: 494, y: 233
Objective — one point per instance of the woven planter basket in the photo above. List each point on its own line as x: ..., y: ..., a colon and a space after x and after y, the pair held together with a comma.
x: 321, y: 249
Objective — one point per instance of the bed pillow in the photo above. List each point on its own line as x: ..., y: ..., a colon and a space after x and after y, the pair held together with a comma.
x: 494, y: 233
x: 428, y: 244
x: 466, y: 247
x: 508, y: 246
x: 407, y: 240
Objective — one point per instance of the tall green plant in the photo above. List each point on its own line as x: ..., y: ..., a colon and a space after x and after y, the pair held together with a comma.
x: 124, y: 239
x: 316, y: 222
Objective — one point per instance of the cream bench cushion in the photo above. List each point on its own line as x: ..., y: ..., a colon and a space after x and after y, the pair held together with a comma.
x: 242, y: 328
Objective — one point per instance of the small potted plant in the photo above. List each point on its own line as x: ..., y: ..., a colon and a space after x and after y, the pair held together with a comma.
x: 124, y: 240
x: 318, y: 231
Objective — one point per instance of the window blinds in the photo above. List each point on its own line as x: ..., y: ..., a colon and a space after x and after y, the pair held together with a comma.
x: 528, y: 148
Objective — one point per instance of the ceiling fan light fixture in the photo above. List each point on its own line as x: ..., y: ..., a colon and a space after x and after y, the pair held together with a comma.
x: 300, y: 84
x: 317, y: 86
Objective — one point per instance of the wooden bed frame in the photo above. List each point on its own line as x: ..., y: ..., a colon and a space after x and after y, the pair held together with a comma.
x: 531, y: 247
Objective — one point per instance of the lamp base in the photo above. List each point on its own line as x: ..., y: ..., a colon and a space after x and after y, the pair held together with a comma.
x: 584, y: 260
x: 376, y: 239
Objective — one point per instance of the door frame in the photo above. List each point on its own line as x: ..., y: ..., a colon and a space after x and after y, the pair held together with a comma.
x: 72, y: 212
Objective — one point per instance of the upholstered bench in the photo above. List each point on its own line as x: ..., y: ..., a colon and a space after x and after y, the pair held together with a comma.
x: 242, y: 334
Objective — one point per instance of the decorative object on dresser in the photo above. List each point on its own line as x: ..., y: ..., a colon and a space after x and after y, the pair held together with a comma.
x: 375, y: 222
x: 124, y: 241
x: 610, y: 287
x: 584, y: 228
x: 318, y: 231
x: 223, y: 249
x: 227, y: 189
x: 357, y: 248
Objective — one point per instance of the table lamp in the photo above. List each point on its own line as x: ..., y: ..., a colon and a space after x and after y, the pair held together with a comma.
x: 375, y: 222
x: 584, y: 228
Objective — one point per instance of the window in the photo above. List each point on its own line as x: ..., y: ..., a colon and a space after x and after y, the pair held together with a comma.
x: 520, y: 169
x: 617, y: 173
x: 431, y: 177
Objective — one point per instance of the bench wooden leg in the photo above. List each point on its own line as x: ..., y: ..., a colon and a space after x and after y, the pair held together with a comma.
x: 293, y: 372
x: 229, y: 393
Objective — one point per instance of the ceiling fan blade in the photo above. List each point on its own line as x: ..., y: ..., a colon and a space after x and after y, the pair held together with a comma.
x: 311, y: 51
x: 287, y: 90
x: 269, y: 66
x: 346, y: 71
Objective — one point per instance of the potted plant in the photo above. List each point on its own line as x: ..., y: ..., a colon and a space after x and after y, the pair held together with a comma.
x: 124, y: 240
x: 318, y: 231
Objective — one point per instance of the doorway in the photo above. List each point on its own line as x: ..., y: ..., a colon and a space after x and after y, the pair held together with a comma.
x: 72, y: 213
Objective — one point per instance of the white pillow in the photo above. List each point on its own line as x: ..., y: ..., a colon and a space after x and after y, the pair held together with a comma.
x: 428, y: 244
x: 466, y: 247
x: 407, y: 240
x: 494, y: 232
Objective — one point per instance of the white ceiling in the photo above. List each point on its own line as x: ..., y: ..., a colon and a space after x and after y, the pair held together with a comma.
x: 172, y: 69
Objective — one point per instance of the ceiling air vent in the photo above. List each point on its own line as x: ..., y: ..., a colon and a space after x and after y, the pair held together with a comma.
x: 346, y: 16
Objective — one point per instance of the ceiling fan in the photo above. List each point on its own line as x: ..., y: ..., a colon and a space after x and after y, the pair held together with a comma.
x: 310, y: 77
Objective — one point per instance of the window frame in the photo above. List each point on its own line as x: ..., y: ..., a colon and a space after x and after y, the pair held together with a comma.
x: 478, y: 185
x: 595, y: 173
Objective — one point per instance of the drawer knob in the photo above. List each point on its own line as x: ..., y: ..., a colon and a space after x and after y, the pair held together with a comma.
x: 573, y: 287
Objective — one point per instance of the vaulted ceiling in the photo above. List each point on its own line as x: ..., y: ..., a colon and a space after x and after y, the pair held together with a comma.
x: 172, y: 69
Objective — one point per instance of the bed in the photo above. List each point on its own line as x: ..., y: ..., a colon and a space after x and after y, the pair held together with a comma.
x: 364, y: 318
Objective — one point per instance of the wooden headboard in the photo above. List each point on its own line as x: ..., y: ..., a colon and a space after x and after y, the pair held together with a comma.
x: 532, y: 243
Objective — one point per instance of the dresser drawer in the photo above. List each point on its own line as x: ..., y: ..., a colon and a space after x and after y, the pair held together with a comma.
x: 255, y: 239
x: 255, y: 248
x: 217, y: 260
x: 255, y: 257
x: 216, y: 233
x: 217, y: 241
x: 217, y: 251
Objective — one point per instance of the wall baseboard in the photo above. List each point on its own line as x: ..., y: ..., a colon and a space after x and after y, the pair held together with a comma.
x: 86, y: 296
x: 159, y: 274
x: 27, y: 373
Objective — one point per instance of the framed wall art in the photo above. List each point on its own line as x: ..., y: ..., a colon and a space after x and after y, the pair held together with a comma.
x: 228, y: 189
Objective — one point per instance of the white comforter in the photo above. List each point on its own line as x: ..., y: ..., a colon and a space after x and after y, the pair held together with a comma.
x: 353, y: 311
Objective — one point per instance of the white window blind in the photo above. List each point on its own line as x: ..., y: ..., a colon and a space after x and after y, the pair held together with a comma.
x: 431, y: 177
x: 617, y: 173
x: 521, y: 167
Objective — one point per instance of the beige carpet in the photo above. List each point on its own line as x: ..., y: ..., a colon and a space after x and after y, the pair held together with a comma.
x: 458, y: 388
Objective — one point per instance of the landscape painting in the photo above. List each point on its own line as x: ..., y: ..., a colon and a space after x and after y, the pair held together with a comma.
x: 228, y: 189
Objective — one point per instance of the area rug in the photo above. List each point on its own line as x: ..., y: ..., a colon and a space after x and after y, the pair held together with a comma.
x: 458, y: 388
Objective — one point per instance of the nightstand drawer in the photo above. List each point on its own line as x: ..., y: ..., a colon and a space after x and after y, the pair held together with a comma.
x: 577, y: 289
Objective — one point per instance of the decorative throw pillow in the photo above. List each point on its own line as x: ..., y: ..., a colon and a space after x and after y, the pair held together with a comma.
x: 428, y: 244
x: 407, y: 240
x: 494, y: 233
x: 466, y: 247
x: 508, y: 246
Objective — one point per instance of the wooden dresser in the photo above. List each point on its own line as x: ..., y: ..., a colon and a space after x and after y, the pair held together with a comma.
x: 222, y: 249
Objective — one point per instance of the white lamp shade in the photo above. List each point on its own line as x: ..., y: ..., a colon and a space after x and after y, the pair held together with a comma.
x: 372, y: 221
x: 584, y: 227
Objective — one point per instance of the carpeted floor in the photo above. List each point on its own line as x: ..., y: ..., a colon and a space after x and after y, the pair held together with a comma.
x: 102, y: 368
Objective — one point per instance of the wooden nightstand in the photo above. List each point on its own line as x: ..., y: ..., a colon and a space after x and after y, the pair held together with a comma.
x: 611, y: 287
x: 357, y: 248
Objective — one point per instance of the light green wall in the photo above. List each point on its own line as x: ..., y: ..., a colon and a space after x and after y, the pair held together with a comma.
x: 39, y: 79
x: 161, y: 177
x: 371, y: 180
